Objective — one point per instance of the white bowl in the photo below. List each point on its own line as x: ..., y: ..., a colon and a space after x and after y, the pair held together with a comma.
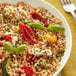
x: 54, y: 11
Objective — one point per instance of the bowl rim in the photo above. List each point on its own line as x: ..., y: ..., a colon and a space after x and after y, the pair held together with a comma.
x: 70, y: 35
x: 58, y: 71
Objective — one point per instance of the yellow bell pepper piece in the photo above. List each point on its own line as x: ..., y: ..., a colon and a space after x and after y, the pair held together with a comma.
x: 51, y: 39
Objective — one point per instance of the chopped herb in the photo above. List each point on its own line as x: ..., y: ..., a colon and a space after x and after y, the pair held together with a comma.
x: 44, y: 52
x: 30, y: 32
x: 39, y: 64
x: 8, y: 30
x: 40, y: 61
x: 41, y: 23
x: 64, y: 36
x: 23, y: 21
x: 20, y: 20
x: 17, y: 20
x: 9, y: 25
x: 52, y: 15
x: 46, y: 10
x: 36, y: 17
x: 26, y: 30
x: 42, y: 67
x: 50, y: 45
x: 14, y: 10
x: 17, y: 42
x: 50, y: 59
x: 40, y: 19
x: 30, y: 37
x: 40, y: 50
x: 16, y: 23
x: 4, y: 18
x: 15, y: 32
x: 62, y: 53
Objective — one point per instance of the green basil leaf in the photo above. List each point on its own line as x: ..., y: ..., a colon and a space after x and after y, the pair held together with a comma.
x: 36, y: 25
x: 55, y: 28
x: 20, y: 49
x: 9, y: 47
x: 4, y: 67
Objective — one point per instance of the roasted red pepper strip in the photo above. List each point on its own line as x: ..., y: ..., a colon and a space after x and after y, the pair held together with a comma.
x: 1, y: 44
x: 29, y: 58
x: 28, y: 34
x: 28, y: 71
x: 0, y: 57
x: 20, y: 73
x: 6, y: 38
x: 36, y: 16
x: 1, y: 39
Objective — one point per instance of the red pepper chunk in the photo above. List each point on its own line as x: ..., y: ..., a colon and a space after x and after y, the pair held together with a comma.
x: 28, y: 71
x: 36, y: 16
x: 0, y: 57
x: 29, y: 58
x: 6, y: 38
x: 28, y: 34
x: 1, y: 45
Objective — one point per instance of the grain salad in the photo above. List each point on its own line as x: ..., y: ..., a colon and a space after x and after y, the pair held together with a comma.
x: 32, y: 41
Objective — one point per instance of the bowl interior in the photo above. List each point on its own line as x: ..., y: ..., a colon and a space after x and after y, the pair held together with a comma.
x: 54, y: 11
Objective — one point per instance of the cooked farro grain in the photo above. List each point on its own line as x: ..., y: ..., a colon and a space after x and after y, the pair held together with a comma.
x: 45, y: 46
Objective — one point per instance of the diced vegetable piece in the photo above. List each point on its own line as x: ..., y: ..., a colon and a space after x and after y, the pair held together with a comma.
x: 8, y: 38
x: 36, y: 25
x: 17, y: 42
x: 0, y: 57
x: 9, y: 47
x: 1, y: 44
x: 4, y: 67
x: 55, y: 28
x: 20, y: 49
x: 51, y: 39
x: 40, y: 65
x: 28, y: 34
x: 20, y: 73
x: 36, y: 16
x: 28, y: 70
x: 29, y: 58
x: 62, y: 53
x: 50, y: 59
x: 1, y: 38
